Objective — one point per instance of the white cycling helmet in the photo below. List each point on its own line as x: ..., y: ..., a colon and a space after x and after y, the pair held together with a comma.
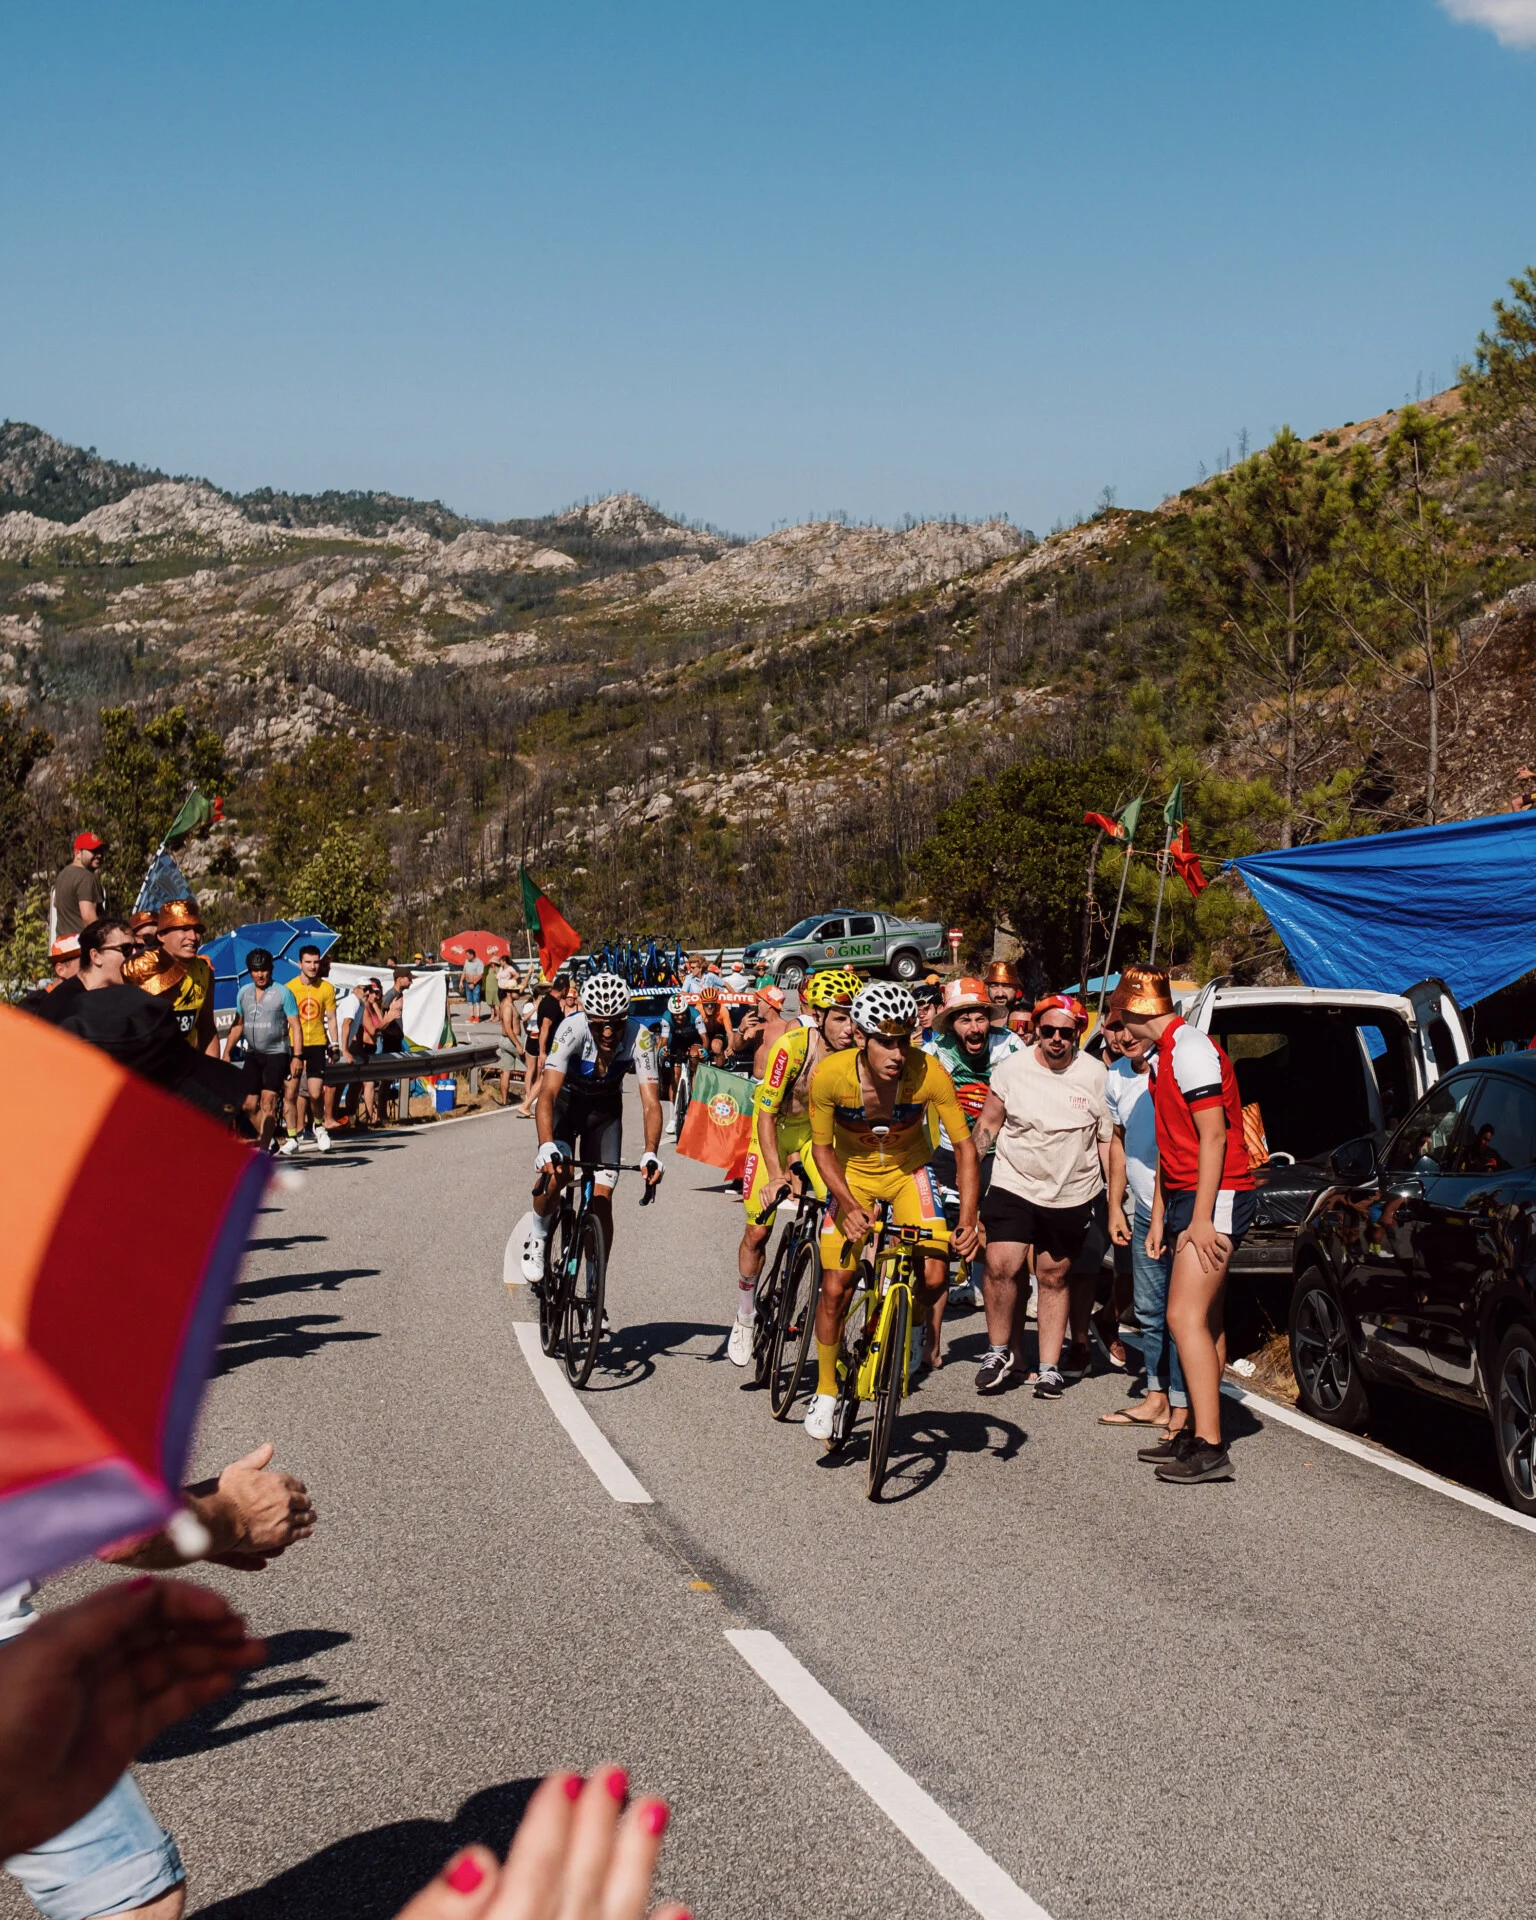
x: 604, y: 996
x: 885, y: 1008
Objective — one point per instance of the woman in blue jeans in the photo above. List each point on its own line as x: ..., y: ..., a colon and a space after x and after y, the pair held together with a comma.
x: 1132, y: 1178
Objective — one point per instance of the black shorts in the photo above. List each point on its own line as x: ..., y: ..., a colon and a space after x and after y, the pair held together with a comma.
x: 1057, y: 1231
x: 1232, y: 1214
x: 266, y: 1072
x: 592, y: 1129
x: 316, y: 1060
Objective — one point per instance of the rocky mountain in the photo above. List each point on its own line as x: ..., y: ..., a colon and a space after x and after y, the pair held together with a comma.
x: 48, y: 478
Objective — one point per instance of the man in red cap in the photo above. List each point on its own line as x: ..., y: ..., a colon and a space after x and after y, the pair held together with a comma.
x: 77, y: 894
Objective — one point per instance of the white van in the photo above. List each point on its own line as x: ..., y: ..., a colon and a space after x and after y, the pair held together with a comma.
x: 1317, y: 1066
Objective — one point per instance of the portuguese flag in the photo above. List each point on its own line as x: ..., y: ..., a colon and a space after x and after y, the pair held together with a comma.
x: 718, y: 1128
x: 557, y: 938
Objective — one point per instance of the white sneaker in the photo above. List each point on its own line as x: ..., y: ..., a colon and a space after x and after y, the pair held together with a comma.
x: 738, y: 1349
x: 289, y: 1147
x: 322, y: 1140
x: 534, y: 1244
x: 818, y: 1418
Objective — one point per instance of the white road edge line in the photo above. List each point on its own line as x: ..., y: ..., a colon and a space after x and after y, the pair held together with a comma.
x: 947, y: 1848
x: 578, y: 1423
x: 1389, y: 1463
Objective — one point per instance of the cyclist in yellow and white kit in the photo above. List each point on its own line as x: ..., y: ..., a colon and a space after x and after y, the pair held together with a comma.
x: 781, y: 1131
x: 869, y: 1134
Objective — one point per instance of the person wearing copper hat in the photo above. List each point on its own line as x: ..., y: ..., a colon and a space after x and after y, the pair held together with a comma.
x: 1203, y: 1203
x: 175, y: 968
x: 1004, y: 991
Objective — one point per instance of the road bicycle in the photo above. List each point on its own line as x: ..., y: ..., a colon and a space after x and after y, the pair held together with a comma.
x: 576, y: 1272
x: 875, y: 1358
x: 784, y: 1330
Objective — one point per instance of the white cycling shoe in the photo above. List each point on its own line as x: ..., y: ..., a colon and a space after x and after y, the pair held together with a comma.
x: 738, y: 1349
x: 533, y: 1255
x: 818, y: 1418
x: 322, y: 1140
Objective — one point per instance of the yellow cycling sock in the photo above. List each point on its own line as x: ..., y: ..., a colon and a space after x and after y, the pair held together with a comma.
x: 826, y: 1368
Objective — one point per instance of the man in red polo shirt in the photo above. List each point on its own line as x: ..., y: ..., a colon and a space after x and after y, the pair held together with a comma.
x: 1203, y: 1203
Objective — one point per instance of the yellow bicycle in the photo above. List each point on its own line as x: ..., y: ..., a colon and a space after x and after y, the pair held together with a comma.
x: 875, y: 1355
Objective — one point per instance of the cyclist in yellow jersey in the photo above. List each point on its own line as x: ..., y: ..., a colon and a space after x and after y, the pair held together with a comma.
x: 869, y: 1138
x: 781, y: 1131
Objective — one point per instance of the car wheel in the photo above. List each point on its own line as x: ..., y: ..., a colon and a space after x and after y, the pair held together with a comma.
x: 1328, y: 1380
x: 792, y: 975
x: 907, y: 965
x: 1514, y: 1416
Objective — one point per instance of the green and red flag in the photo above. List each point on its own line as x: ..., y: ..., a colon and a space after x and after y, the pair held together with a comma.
x: 718, y: 1129
x: 1173, y: 812
x: 1186, y: 862
x: 557, y: 938
x: 1122, y: 829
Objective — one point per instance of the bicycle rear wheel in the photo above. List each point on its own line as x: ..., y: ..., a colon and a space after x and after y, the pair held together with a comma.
x: 793, y: 1354
x: 887, y: 1396
x: 552, y: 1287
x: 583, y: 1333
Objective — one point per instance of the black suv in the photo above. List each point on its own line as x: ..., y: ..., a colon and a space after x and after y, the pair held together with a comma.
x: 1418, y: 1266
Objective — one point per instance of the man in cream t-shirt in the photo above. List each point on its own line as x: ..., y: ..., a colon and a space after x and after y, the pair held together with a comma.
x: 1046, y: 1112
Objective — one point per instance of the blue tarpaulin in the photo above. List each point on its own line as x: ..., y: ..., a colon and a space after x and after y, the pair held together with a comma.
x: 1455, y: 903
x: 281, y: 938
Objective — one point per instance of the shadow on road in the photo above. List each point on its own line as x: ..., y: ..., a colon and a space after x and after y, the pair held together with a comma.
x: 294, y: 1338
x: 212, y: 1728
x: 281, y: 1243
x: 629, y: 1354
x: 325, y: 1281
x: 922, y: 1444
x: 371, y: 1874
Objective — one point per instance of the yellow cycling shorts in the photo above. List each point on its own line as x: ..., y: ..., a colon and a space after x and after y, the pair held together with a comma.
x: 914, y: 1202
x: 794, y: 1143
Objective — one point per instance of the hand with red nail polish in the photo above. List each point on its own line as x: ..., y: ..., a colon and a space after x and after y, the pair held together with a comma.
x: 577, y: 1856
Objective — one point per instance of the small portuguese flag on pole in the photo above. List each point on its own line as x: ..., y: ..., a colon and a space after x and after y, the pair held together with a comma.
x: 557, y: 938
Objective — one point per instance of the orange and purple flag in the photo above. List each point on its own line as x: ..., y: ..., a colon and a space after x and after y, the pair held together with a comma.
x: 126, y: 1215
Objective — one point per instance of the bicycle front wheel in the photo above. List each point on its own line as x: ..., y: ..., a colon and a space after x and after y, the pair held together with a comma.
x: 887, y: 1394
x: 557, y: 1257
x: 793, y: 1355
x: 584, y: 1304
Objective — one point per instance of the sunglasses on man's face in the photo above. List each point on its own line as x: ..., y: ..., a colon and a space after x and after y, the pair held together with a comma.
x: 122, y: 946
x: 1057, y: 1033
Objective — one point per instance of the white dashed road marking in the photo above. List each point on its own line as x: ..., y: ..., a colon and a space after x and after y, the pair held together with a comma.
x: 947, y: 1848
x: 565, y: 1404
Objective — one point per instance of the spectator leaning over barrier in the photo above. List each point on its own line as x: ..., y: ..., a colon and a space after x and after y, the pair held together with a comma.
x: 261, y: 1020
x: 77, y: 897
x: 310, y: 1004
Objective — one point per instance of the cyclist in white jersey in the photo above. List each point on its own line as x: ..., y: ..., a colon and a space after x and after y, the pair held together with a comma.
x: 581, y: 1107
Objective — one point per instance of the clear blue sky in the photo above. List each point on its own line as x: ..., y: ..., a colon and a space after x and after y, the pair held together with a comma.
x: 754, y: 262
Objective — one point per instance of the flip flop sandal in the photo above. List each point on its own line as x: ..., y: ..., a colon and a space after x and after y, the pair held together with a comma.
x: 1123, y: 1417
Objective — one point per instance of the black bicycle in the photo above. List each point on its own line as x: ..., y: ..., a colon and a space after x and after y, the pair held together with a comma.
x: 784, y: 1331
x: 576, y: 1272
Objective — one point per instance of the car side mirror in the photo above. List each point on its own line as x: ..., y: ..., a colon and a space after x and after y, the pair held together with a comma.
x: 1355, y: 1163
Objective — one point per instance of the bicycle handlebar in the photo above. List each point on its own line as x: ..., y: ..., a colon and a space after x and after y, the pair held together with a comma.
x: 541, y: 1185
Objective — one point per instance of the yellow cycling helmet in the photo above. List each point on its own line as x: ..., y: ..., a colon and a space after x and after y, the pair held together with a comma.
x: 835, y: 987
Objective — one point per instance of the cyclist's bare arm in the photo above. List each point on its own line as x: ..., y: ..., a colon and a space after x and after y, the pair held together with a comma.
x: 650, y: 1112
x: 544, y: 1112
x: 968, y: 1180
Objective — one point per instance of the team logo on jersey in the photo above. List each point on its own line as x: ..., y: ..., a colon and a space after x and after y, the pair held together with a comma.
x: 645, y: 1041
x: 780, y: 1068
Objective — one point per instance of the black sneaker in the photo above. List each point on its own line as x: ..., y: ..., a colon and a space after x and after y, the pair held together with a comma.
x: 1201, y: 1461
x: 995, y: 1371
x: 1049, y: 1384
x: 1168, y: 1448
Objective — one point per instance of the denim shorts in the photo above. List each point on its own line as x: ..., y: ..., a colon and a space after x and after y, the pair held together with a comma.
x: 1232, y: 1214
x: 115, y: 1858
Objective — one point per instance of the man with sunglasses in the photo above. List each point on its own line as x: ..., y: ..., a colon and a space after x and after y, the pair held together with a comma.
x: 581, y: 1108
x: 1045, y: 1114
x: 869, y: 1113
x: 781, y: 1131
x: 261, y: 1020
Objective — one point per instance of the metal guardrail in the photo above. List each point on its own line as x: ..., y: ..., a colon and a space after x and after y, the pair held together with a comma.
x: 411, y: 1066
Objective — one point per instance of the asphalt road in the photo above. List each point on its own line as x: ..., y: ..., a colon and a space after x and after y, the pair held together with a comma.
x: 1298, y: 1694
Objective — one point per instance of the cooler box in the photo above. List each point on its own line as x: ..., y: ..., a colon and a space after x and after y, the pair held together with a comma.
x: 444, y: 1092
